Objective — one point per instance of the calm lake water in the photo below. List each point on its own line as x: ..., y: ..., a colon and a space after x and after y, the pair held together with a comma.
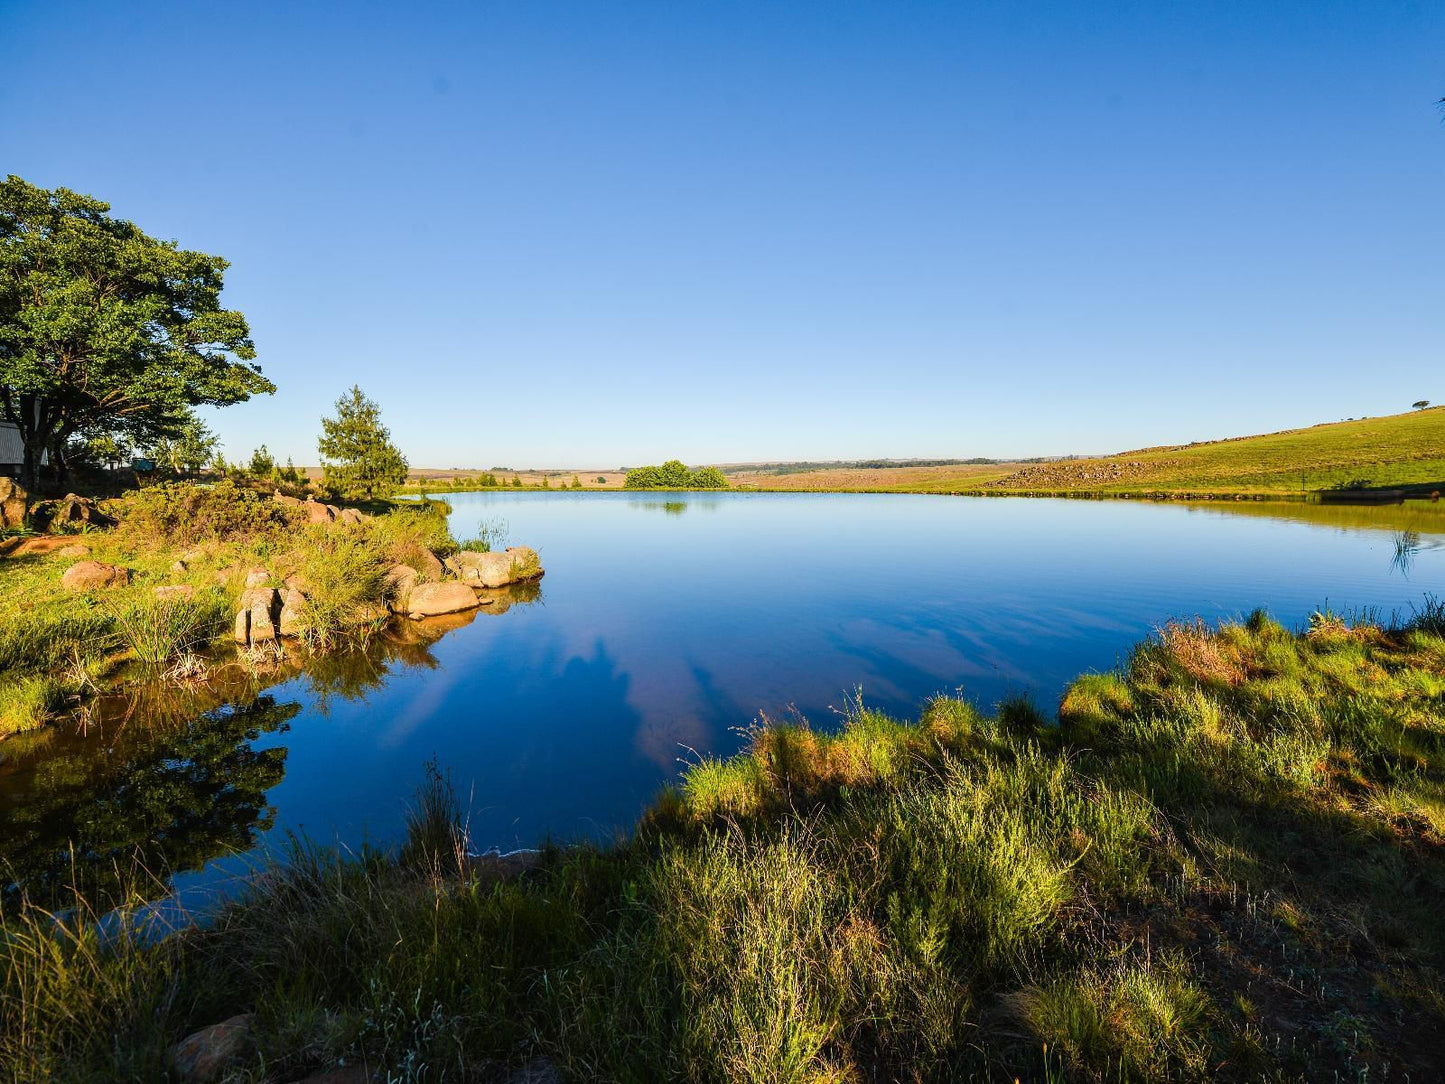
x: 663, y: 625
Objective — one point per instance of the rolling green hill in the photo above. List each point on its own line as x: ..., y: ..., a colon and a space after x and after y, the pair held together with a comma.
x: 1398, y: 451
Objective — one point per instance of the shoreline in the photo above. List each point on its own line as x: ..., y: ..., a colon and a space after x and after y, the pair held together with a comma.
x: 1204, y: 814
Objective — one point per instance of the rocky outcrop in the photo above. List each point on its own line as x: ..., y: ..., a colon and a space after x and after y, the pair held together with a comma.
x: 257, y: 577
x: 434, y: 599
x: 13, y: 502
x: 70, y: 511
x: 90, y: 575
x: 514, y: 565
x: 205, y: 1056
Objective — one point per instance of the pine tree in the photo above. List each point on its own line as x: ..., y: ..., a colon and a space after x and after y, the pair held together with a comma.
x: 358, y: 459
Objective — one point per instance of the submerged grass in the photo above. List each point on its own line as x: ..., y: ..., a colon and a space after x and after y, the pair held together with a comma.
x: 1225, y: 861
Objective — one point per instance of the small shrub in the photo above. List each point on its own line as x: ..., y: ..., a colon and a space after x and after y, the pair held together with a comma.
x: 185, y: 513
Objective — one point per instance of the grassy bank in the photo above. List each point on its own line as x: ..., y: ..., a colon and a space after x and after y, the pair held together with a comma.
x: 1225, y: 861
x: 1402, y: 450
x: 58, y: 645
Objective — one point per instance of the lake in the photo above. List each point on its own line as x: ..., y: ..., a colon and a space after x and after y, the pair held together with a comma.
x: 665, y: 624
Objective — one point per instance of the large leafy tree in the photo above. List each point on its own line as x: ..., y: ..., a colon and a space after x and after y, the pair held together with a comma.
x: 358, y: 458
x: 103, y: 328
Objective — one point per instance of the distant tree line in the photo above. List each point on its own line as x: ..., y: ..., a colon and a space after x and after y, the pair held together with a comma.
x: 675, y: 474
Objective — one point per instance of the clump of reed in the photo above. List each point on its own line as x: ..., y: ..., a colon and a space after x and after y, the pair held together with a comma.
x: 156, y: 630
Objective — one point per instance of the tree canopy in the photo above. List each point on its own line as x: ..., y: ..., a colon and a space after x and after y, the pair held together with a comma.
x: 106, y: 329
x: 674, y: 474
x: 358, y: 459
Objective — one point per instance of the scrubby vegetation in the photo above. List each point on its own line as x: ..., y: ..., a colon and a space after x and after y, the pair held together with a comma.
x: 1224, y: 861
x: 201, y: 542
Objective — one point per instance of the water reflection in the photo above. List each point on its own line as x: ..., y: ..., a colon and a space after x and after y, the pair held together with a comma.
x: 157, y: 778
x: 158, y: 798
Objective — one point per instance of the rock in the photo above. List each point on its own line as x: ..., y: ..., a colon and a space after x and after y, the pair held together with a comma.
x: 180, y: 567
x: 263, y: 604
x: 36, y: 547
x: 316, y: 512
x: 75, y: 549
x: 13, y: 500
x: 484, y: 569
x: 400, y: 580
x: 175, y: 590
x: 289, y: 502
x: 293, y: 605
x: 352, y: 516
x: 431, y: 599
x: 88, y: 575
x: 243, y: 627
x: 257, y: 577
x: 429, y: 565
x: 70, y: 509
x: 296, y: 582
x: 526, y: 565
x: 204, y: 1056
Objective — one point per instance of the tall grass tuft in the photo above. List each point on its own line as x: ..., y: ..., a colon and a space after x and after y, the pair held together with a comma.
x: 436, y: 832
x: 346, y: 586
x: 156, y: 630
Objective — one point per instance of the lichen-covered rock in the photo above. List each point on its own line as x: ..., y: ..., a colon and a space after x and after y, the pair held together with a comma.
x: 75, y: 549
x: 433, y: 599
x: 205, y: 1055
x: 257, y: 577
x: 175, y: 591
x: 90, y: 575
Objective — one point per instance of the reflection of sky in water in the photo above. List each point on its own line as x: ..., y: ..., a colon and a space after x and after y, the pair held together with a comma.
x: 658, y: 634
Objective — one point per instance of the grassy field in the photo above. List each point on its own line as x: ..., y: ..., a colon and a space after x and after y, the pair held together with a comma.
x: 1402, y: 450
x: 1225, y: 861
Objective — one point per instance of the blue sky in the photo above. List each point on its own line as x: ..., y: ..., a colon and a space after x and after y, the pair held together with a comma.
x: 597, y: 234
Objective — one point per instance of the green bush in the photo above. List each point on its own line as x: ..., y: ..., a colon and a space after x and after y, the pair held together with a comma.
x: 184, y: 513
x: 674, y: 474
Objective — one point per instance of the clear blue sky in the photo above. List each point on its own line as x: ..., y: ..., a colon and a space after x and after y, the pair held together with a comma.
x: 600, y: 233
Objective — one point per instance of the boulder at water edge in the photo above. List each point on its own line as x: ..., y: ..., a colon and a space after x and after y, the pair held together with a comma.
x: 205, y: 1055
x: 434, y: 599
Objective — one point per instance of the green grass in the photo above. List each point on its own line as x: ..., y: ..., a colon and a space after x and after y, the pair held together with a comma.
x: 1224, y: 861
x: 1401, y: 450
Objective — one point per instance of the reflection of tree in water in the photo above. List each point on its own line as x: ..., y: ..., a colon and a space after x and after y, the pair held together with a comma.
x: 162, y: 774
x: 677, y: 508
x: 163, y: 798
